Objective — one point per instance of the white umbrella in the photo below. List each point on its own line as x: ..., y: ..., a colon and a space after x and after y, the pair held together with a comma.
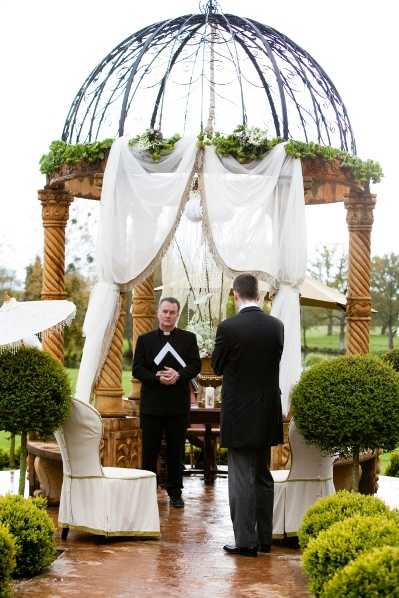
x: 20, y: 320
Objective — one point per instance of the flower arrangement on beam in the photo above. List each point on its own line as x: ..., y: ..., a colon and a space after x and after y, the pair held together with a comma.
x: 245, y: 144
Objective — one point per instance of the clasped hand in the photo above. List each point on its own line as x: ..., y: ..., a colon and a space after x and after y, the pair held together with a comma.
x: 168, y: 376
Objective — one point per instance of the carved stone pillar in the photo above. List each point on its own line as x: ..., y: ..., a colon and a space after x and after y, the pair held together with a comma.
x: 121, y: 443
x: 109, y: 390
x: 143, y: 314
x: 358, y: 311
x: 55, y: 212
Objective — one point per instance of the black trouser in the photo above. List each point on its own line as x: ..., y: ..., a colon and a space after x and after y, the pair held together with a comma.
x: 251, y: 490
x: 174, y: 427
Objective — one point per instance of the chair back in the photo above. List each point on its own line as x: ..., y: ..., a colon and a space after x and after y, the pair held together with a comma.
x: 79, y: 441
x: 307, y: 460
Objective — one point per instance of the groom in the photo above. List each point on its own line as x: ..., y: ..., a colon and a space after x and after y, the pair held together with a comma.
x: 247, y: 353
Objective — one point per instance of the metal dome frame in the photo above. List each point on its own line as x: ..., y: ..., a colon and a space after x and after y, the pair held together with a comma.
x: 300, y: 98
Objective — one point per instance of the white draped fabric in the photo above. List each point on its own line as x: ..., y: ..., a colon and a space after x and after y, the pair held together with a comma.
x: 141, y: 202
x: 255, y: 215
x: 253, y: 221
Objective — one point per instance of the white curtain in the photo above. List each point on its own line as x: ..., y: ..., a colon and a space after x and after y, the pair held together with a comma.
x: 255, y: 215
x: 141, y: 202
x: 254, y: 220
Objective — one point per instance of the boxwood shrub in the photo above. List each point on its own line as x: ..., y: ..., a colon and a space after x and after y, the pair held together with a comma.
x: 343, y: 542
x: 7, y: 561
x: 330, y: 509
x: 33, y: 530
x: 373, y: 573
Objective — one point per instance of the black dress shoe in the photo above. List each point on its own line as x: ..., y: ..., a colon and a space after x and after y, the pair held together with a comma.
x: 242, y: 550
x: 264, y: 548
x: 177, y: 502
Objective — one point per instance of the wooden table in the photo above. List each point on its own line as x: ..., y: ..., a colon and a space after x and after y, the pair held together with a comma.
x: 210, y: 419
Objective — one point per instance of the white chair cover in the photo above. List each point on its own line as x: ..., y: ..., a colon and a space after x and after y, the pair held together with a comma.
x: 310, y: 478
x: 111, y: 501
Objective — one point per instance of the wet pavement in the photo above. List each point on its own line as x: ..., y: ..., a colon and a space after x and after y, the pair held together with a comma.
x: 187, y: 562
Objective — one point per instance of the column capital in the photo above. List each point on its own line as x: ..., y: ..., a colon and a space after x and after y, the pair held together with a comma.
x: 360, y: 206
x: 55, y: 207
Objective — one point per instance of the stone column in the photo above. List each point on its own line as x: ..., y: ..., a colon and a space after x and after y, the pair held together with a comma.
x: 55, y: 212
x: 143, y: 314
x: 358, y: 311
x: 120, y: 444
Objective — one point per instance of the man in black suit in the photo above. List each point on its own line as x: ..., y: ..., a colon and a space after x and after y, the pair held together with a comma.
x: 247, y: 353
x: 165, y: 360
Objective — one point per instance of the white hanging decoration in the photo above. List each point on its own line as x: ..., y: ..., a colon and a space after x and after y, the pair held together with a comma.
x: 193, y: 209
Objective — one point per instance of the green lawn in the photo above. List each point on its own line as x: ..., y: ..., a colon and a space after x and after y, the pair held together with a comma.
x: 316, y: 337
x: 126, y: 380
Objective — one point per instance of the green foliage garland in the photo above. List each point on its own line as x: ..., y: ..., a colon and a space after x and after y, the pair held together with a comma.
x: 342, y: 543
x: 153, y: 142
x: 244, y: 143
x: 373, y: 573
x: 7, y: 561
x: 65, y: 153
x: 330, y: 509
x: 33, y: 530
x: 363, y: 171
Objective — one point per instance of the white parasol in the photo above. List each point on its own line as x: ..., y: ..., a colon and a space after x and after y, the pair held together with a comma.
x: 20, y: 320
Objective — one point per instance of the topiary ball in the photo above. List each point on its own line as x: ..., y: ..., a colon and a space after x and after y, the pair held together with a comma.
x: 330, y: 509
x: 7, y: 561
x: 347, y: 402
x: 393, y: 466
x: 33, y: 531
x: 343, y: 542
x: 35, y: 394
x: 373, y: 573
x: 392, y: 357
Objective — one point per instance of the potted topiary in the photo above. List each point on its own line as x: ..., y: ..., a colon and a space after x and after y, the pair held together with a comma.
x: 347, y: 405
x: 35, y: 396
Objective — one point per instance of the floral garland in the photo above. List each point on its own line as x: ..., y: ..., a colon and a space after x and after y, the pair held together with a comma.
x: 153, y: 142
x: 245, y: 144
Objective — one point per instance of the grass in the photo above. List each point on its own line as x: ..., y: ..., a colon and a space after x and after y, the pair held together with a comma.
x: 317, y: 337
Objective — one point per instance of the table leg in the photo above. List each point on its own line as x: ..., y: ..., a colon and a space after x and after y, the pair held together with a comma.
x: 209, y: 456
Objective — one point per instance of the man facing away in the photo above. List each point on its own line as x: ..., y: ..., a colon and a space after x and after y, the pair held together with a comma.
x: 247, y: 353
x: 165, y: 360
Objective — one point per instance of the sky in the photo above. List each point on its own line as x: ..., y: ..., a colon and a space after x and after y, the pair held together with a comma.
x: 47, y: 49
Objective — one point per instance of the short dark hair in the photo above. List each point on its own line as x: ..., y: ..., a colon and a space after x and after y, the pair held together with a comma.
x: 246, y: 285
x: 170, y: 300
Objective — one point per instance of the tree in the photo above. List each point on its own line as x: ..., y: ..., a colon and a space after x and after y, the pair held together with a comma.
x: 35, y: 396
x: 330, y: 266
x: 310, y: 316
x: 77, y: 289
x: 385, y: 293
x: 33, y: 280
x: 348, y: 404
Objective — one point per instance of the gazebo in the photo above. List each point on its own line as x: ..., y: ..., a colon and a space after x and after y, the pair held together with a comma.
x: 182, y: 73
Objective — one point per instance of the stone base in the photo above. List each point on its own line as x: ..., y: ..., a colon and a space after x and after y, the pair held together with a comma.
x: 121, y: 444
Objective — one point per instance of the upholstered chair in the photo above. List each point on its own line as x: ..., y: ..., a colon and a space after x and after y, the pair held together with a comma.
x: 109, y: 501
x: 295, y: 490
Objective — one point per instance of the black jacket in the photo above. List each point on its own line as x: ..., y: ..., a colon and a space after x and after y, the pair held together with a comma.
x: 247, y: 353
x: 156, y: 398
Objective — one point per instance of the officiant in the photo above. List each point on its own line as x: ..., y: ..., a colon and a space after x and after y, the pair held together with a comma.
x: 165, y: 360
